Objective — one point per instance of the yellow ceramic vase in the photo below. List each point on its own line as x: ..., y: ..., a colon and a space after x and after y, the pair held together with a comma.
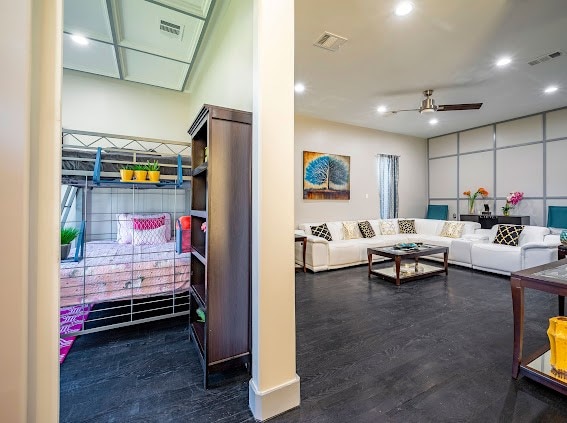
x: 126, y: 174
x: 141, y: 175
x: 557, y: 333
x: 153, y: 175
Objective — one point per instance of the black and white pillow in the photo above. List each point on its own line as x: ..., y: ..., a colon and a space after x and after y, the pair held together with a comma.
x: 322, y: 231
x: 366, y: 229
x: 508, y: 235
x: 407, y: 226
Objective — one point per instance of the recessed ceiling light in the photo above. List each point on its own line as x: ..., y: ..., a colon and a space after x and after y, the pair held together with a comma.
x: 299, y: 87
x: 381, y: 109
x: 551, y: 89
x: 403, y: 8
x: 433, y: 122
x: 79, y: 39
x: 503, y: 61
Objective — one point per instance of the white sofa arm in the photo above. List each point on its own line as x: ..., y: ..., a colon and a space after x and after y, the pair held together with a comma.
x: 475, y: 237
x: 537, y: 253
x: 316, y: 239
x: 552, y: 240
x: 300, y: 232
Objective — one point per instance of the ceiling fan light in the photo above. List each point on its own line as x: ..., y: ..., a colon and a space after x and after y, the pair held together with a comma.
x: 404, y: 8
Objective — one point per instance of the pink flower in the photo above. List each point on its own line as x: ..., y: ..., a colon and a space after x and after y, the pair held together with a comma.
x: 204, y: 227
x: 515, y: 197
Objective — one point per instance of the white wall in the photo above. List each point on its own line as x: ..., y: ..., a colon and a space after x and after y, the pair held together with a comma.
x: 101, y: 104
x: 525, y: 154
x: 223, y: 74
x: 362, y: 145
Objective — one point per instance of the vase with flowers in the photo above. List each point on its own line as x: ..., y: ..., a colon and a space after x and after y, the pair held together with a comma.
x: 512, y: 201
x: 472, y: 197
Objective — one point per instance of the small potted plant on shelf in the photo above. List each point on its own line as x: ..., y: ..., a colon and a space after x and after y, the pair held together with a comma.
x: 153, y: 171
x: 141, y: 172
x: 67, y: 237
x: 127, y: 173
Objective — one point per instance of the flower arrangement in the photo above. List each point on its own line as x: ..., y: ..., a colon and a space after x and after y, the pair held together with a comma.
x: 472, y: 197
x: 204, y: 226
x: 511, y: 201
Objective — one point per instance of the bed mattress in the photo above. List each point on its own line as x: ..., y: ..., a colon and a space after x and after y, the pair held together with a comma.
x: 111, y: 271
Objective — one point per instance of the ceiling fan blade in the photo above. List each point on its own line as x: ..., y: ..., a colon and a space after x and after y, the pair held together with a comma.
x: 452, y: 107
x: 403, y: 110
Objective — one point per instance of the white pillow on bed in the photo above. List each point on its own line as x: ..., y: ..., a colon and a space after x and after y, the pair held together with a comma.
x: 124, y: 227
x: 149, y: 236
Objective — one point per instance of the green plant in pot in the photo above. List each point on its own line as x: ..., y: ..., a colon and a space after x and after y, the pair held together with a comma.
x: 141, y: 172
x: 67, y: 237
x: 127, y: 173
x: 153, y: 171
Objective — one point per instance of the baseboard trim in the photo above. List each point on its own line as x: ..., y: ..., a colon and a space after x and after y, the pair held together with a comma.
x: 272, y: 402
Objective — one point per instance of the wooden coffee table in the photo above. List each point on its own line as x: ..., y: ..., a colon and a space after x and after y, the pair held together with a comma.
x: 412, y: 271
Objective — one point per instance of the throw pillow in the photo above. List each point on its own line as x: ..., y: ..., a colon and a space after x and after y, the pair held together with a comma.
x: 141, y: 224
x: 124, y: 225
x: 366, y: 229
x: 452, y: 229
x: 388, y: 227
x: 350, y: 230
x: 508, y: 235
x: 322, y: 231
x: 407, y: 226
x: 149, y: 236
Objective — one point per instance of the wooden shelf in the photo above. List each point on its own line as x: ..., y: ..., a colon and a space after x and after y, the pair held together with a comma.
x: 199, y: 213
x: 199, y: 294
x: 201, y: 169
x: 199, y: 256
x: 198, y: 330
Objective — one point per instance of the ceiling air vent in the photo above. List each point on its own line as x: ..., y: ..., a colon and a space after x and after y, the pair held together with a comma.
x: 330, y: 41
x: 545, y: 58
x: 170, y: 29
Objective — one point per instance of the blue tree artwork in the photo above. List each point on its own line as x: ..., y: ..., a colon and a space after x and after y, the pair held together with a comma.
x: 326, y: 176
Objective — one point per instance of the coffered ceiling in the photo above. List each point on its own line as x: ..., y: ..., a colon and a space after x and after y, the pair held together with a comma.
x: 152, y: 42
x: 450, y: 46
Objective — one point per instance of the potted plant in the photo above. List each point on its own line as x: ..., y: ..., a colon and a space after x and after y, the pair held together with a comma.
x: 127, y: 173
x: 67, y: 236
x: 153, y: 171
x: 141, y: 172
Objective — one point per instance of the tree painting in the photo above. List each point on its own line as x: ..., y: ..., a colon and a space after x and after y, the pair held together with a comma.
x: 326, y: 176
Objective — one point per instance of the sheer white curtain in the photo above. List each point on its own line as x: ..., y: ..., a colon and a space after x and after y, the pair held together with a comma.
x: 388, y: 175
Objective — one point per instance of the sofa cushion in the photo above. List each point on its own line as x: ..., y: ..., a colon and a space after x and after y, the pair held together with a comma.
x: 350, y: 230
x: 322, y: 231
x: 508, y: 235
x: 388, y: 227
x: 366, y: 229
x: 407, y: 226
x: 345, y: 252
x: 503, y: 258
x: 452, y: 229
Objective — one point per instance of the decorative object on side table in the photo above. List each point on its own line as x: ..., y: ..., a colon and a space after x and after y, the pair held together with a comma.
x: 472, y: 197
x: 67, y: 237
x: 153, y: 171
x: 512, y: 201
x: 127, y: 173
x: 486, y: 211
x: 563, y: 237
x: 557, y: 333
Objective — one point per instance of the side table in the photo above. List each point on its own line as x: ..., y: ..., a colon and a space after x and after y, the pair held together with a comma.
x: 561, y: 252
x: 303, y: 240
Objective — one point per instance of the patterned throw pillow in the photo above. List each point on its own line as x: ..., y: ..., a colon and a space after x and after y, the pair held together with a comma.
x: 366, y: 229
x: 407, y: 226
x: 452, y: 229
x: 388, y: 227
x: 508, y: 235
x: 149, y: 236
x: 322, y: 231
x: 350, y: 230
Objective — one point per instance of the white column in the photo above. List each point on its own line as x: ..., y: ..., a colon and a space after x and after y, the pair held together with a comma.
x: 274, y: 387
x: 30, y: 141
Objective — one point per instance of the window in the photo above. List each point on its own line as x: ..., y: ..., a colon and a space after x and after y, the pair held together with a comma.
x: 388, y: 175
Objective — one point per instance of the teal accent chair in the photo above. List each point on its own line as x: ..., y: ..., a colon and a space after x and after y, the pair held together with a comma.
x: 439, y: 212
x: 557, y: 217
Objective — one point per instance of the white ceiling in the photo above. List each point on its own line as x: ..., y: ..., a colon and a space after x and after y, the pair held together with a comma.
x: 447, y: 45
x: 125, y: 40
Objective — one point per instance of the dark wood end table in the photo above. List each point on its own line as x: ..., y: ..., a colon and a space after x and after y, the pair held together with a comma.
x: 542, y: 278
x: 302, y: 239
x: 561, y: 251
x: 397, y: 256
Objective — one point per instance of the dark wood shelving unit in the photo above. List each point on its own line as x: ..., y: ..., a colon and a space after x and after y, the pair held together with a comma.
x: 221, y: 197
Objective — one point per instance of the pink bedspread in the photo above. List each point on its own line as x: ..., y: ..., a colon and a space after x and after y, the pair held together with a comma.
x: 110, y: 271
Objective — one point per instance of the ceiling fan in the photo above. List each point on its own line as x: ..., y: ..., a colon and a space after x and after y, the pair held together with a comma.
x: 428, y: 106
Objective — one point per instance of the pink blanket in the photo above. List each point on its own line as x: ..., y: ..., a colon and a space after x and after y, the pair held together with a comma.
x: 112, y: 271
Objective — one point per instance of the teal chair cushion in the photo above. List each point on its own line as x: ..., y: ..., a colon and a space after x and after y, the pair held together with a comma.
x: 557, y: 217
x: 439, y: 212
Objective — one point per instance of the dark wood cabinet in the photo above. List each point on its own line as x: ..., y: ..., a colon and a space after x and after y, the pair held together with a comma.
x: 487, y: 222
x: 221, y: 198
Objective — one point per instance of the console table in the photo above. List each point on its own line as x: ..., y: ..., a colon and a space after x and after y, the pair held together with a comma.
x: 488, y: 221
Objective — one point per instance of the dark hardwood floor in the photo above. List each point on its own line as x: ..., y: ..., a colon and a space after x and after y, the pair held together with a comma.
x: 432, y: 350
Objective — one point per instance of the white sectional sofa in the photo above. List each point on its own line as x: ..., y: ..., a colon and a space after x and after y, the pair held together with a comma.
x: 474, y: 249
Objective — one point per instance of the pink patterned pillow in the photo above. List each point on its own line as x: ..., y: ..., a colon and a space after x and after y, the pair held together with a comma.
x: 149, y: 236
x: 125, y: 226
x: 141, y: 224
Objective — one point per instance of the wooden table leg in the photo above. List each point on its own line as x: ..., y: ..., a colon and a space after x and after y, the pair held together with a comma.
x: 561, y: 300
x: 446, y: 261
x: 398, y: 260
x: 369, y: 264
x: 304, y: 249
x: 518, y: 307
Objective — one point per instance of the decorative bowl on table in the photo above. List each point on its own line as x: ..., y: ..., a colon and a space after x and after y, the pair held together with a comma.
x: 406, y: 246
